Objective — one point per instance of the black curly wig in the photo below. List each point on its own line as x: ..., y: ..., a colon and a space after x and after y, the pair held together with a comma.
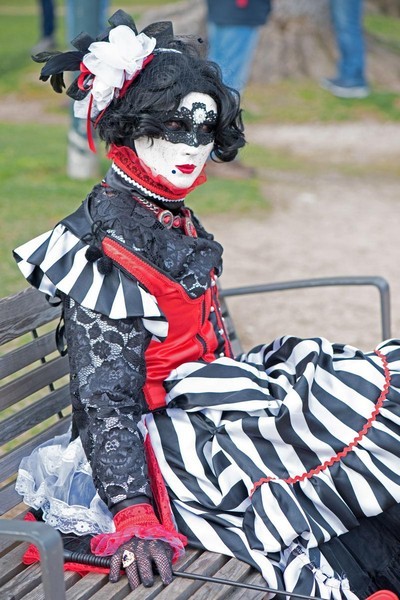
x: 176, y: 70
x: 158, y: 91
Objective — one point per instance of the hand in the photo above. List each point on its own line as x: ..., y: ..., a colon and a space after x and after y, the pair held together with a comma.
x: 137, y: 557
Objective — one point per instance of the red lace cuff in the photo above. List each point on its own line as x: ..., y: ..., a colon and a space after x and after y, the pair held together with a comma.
x: 106, y: 544
x: 137, y: 514
x: 138, y: 520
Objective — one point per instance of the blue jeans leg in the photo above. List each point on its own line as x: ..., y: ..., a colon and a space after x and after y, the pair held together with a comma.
x: 347, y: 20
x: 103, y: 14
x: 48, y: 21
x: 232, y: 47
x: 86, y: 15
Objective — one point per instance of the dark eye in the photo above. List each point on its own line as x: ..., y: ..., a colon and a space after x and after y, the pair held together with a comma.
x: 175, y: 126
x: 207, y: 128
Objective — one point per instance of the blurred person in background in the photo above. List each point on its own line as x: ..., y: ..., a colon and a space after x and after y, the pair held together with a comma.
x: 47, y: 27
x: 233, y: 30
x: 347, y: 22
x: 90, y: 16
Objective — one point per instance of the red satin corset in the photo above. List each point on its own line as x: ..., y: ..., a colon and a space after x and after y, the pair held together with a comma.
x: 191, y: 335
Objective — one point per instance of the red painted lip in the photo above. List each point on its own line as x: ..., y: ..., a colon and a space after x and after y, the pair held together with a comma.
x: 186, y: 168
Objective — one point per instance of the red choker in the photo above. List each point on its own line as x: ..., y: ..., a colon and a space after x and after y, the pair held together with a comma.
x: 159, y: 187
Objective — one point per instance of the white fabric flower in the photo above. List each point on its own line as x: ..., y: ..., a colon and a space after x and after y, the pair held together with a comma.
x: 112, y: 63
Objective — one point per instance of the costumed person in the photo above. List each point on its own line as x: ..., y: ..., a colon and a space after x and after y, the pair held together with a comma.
x: 233, y: 32
x: 285, y: 457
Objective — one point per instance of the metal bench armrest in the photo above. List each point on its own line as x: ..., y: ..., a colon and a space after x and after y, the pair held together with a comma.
x: 379, y: 282
x: 49, y: 543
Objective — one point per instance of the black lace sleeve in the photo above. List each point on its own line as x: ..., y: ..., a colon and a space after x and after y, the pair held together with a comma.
x: 107, y: 375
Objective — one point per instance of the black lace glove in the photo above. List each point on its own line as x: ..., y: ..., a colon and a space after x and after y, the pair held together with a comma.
x: 137, y: 558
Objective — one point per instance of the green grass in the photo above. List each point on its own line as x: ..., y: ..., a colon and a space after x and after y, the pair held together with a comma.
x: 302, y: 101
x: 19, y: 34
x: 36, y: 191
x: 385, y: 29
x: 220, y: 196
x: 20, y: 6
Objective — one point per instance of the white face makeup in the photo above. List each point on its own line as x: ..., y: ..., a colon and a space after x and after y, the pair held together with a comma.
x: 187, y: 142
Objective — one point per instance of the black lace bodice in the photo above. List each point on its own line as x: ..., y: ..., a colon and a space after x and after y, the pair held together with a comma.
x: 187, y: 260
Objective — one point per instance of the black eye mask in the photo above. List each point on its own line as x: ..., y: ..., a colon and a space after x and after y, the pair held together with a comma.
x: 194, y: 127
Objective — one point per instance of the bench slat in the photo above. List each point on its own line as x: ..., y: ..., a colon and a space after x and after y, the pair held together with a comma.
x: 10, y: 462
x: 34, y: 414
x: 121, y: 589
x: 23, y: 312
x: 10, y: 565
x: 233, y: 570
x: 88, y: 585
x: 8, y: 498
x: 29, y: 353
x: 244, y: 594
x: 23, y: 582
x: 118, y: 590
x: 70, y: 578
x: 31, y: 382
x: 207, y: 564
x: 6, y: 544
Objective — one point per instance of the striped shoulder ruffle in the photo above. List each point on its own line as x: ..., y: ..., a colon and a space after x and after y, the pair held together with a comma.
x: 56, y: 261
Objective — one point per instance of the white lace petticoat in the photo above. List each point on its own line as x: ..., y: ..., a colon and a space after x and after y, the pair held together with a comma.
x: 57, y: 479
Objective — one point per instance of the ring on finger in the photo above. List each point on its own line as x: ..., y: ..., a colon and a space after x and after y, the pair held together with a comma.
x: 128, y: 558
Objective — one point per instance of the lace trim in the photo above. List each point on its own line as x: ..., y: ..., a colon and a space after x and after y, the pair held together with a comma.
x: 347, y: 449
x: 61, y: 516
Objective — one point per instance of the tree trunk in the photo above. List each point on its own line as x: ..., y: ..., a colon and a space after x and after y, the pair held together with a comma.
x: 297, y: 42
x: 386, y: 7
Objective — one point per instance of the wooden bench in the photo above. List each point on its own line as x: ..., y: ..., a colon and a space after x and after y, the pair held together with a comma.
x: 35, y: 406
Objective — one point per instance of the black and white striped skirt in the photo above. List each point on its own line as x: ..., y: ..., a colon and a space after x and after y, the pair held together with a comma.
x: 270, y: 456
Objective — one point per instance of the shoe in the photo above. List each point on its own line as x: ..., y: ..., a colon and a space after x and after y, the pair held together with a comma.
x: 46, y: 43
x: 229, y: 170
x: 337, y: 88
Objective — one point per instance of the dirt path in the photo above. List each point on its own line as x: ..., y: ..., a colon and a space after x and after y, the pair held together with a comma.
x: 321, y: 224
